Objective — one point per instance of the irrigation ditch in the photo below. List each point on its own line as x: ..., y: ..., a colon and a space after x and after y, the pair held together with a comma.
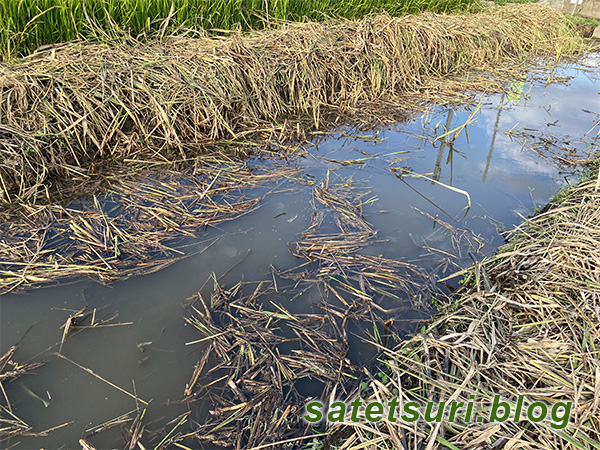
x: 116, y: 159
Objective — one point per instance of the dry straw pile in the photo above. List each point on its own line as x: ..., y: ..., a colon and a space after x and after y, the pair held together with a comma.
x: 530, y: 325
x: 68, y: 111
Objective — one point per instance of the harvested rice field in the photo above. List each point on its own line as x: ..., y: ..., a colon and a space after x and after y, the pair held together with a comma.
x: 199, y: 236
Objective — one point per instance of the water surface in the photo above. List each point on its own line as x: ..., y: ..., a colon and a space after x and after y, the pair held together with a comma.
x: 511, y: 159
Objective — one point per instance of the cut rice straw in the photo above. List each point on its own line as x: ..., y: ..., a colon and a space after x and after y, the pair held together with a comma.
x: 534, y: 332
x: 68, y: 112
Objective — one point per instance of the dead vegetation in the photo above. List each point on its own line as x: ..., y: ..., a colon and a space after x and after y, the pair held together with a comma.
x: 139, y: 226
x: 10, y: 424
x: 68, y: 112
x: 527, y: 322
x: 110, y: 156
x: 332, y: 248
x: 255, y: 352
x: 258, y: 356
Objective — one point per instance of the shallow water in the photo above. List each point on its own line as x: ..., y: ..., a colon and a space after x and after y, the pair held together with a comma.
x: 506, y: 160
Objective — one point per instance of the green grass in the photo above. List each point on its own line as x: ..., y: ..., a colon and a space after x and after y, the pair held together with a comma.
x: 504, y: 2
x: 577, y: 20
x: 27, y: 24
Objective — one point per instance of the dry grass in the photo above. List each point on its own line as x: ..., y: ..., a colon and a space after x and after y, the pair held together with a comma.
x: 530, y: 324
x: 139, y: 225
x: 28, y: 24
x: 254, y: 352
x: 91, y: 122
x: 256, y: 356
x: 332, y: 246
x: 67, y: 112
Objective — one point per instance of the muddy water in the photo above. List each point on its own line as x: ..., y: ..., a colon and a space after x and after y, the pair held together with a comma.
x: 508, y: 160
